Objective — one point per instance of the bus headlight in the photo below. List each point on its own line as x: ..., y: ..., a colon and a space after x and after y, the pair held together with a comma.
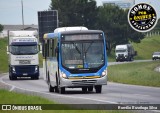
x: 104, y: 73
x: 63, y: 75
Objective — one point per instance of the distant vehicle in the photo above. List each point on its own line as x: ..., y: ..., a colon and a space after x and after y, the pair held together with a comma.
x: 23, y: 54
x: 156, y: 55
x: 125, y: 52
x: 75, y: 57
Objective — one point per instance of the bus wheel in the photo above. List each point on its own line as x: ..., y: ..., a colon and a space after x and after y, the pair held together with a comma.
x: 51, y: 89
x: 98, y: 88
x: 90, y: 88
x: 84, y: 89
x: 62, y: 90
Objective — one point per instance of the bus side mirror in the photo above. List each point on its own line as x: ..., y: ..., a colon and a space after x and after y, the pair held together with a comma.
x: 7, y: 50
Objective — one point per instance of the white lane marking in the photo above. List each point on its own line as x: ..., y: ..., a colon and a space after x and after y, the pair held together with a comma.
x: 158, y: 111
x: 141, y: 95
x: 57, y: 94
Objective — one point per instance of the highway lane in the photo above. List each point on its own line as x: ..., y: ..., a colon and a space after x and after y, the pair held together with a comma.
x: 112, y: 93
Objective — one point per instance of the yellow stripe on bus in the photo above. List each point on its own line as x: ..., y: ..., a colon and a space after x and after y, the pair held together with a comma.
x: 84, y: 77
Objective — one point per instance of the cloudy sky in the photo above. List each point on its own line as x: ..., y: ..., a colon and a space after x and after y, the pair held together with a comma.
x: 10, y: 10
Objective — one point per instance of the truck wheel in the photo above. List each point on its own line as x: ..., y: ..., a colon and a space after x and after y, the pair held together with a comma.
x: 98, y: 88
x: 35, y: 78
x: 12, y: 77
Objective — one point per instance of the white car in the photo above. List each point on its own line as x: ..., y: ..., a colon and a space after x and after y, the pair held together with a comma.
x: 156, y: 55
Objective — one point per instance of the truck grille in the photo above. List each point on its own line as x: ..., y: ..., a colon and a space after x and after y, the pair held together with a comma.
x: 120, y: 55
x: 25, y: 69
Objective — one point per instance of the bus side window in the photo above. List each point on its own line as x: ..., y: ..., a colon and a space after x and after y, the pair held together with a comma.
x: 52, y: 47
x: 45, y: 47
x: 55, y: 47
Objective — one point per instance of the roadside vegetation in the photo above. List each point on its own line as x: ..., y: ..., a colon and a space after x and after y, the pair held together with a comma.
x: 147, y: 46
x: 141, y: 73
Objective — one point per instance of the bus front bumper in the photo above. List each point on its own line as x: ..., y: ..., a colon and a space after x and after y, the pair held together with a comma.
x: 77, y: 83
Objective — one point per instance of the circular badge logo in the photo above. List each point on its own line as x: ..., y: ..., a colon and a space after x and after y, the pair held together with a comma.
x: 142, y: 17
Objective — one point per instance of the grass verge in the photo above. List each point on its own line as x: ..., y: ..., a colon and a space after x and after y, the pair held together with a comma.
x: 135, y: 73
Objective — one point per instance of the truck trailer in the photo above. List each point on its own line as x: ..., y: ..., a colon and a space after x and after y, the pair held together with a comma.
x: 22, y: 50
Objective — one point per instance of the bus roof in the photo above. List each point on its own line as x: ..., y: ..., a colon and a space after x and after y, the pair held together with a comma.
x: 53, y: 35
x: 61, y: 29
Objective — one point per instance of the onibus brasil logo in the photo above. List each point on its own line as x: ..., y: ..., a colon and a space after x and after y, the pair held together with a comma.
x: 142, y: 17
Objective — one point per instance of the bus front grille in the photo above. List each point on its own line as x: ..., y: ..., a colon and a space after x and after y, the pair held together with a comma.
x: 84, y: 82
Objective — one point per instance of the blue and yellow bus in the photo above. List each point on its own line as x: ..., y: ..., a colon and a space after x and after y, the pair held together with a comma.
x: 75, y: 57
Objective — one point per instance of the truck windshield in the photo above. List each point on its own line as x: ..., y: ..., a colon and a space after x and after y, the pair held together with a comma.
x: 86, y: 54
x: 24, y: 50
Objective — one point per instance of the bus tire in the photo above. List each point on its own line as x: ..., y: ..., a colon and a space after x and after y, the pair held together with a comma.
x: 98, y: 88
x: 62, y: 90
x: 51, y: 89
x: 84, y: 89
x: 90, y: 88
x: 56, y: 87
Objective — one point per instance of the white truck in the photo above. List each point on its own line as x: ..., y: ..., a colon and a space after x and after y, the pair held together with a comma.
x: 125, y: 52
x: 22, y: 50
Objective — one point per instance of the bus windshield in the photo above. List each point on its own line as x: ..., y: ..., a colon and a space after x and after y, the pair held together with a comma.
x: 86, y: 54
x: 24, y: 50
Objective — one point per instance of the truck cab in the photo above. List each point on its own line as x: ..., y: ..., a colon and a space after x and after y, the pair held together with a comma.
x: 23, y: 52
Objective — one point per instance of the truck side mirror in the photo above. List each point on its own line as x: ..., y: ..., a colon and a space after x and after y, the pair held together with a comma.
x: 7, y: 50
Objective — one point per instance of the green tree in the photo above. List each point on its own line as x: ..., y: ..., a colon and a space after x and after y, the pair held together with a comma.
x: 113, y: 21
x: 1, y: 28
x: 75, y: 12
